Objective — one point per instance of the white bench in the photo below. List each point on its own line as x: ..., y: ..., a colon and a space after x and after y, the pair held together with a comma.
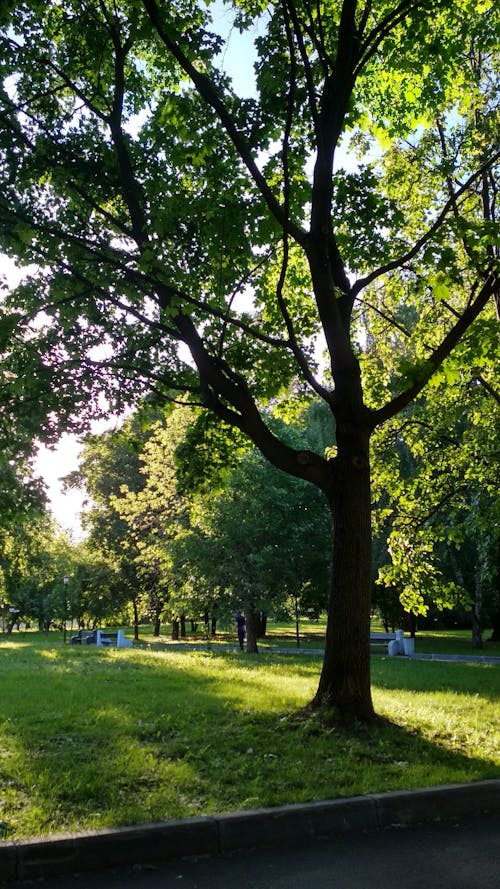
x: 117, y: 639
x: 396, y: 642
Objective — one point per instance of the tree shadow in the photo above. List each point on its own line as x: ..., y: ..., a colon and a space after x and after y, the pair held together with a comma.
x: 468, y: 678
x: 96, y: 738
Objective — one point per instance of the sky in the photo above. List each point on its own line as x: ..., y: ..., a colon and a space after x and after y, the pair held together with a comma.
x: 52, y: 466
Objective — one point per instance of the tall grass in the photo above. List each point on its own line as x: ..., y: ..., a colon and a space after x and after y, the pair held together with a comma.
x: 94, y: 737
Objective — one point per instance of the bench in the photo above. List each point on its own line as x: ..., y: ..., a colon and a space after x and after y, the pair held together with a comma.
x: 117, y: 639
x: 396, y: 642
x: 382, y: 637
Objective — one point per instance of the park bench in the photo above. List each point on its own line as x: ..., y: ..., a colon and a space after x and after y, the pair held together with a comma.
x: 117, y: 639
x: 101, y: 638
x: 381, y: 638
x: 395, y: 642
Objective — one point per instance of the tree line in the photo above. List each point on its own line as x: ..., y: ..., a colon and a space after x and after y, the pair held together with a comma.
x: 175, y: 536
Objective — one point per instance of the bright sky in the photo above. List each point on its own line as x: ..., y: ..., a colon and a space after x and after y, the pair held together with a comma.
x: 52, y: 466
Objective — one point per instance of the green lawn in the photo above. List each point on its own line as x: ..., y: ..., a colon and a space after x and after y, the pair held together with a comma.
x: 94, y: 737
x: 454, y: 642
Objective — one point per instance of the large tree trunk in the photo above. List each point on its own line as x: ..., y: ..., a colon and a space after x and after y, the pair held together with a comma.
x: 477, y: 609
x: 261, y: 624
x: 345, y: 678
x: 495, y: 622
x: 252, y: 624
x: 136, y: 619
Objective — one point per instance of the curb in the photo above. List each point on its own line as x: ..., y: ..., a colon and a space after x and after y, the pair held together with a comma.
x: 224, y: 834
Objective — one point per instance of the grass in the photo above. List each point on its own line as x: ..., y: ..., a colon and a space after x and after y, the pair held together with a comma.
x: 94, y: 737
x: 454, y: 642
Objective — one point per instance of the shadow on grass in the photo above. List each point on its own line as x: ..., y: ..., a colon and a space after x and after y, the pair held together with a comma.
x: 95, y: 738
x: 431, y: 676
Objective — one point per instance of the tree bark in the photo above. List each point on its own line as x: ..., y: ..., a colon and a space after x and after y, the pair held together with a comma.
x: 345, y: 678
x: 410, y: 624
x: 252, y: 622
x: 262, y: 624
x: 136, y: 620
x: 495, y: 622
x: 477, y: 611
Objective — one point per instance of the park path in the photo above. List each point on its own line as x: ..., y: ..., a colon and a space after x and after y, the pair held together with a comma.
x: 424, y: 656
x: 460, y: 855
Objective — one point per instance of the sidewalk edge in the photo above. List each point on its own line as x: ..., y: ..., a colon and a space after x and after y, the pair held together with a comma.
x: 224, y: 834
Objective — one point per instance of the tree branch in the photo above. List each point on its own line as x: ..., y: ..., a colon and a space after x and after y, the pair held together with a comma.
x: 289, y: 6
x: 417, y: 247
x: 334, y: 104
x: 130, y: 189
x: 450, y: 186
x: 389, y: 318
x: 439, y: 355
x: 145, y: 282
x: 369, y: 47
x: 207, y: 91
x: 495, y: 394
x: 227, y: 394
x: 297, y: 351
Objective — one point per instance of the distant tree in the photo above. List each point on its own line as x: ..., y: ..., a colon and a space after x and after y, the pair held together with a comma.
x: 110, y: 461
x: 34, y: 557
x: 266, y: 541
x: 436, y: 482
x: 95, y: 591
x: 156, y: 515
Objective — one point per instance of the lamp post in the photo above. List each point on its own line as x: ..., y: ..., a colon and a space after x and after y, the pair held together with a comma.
x: 65, y: 582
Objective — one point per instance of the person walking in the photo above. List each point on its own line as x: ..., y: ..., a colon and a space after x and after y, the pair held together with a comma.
x: 241, y: 628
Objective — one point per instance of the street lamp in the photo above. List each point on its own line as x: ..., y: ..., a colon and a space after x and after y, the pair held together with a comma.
x: 65, y: 582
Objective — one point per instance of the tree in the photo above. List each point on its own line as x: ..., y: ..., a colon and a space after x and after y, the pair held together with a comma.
x: 95, y: 590
x: 156, y: 515
x: 24, y: 400
x: 33, y: 561
x: 151, y: 196
x: 263, y: 540
x: 110, y: 461
x: 435, y: 485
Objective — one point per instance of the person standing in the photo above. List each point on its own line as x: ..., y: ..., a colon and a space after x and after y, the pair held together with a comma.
x: 241, y: 628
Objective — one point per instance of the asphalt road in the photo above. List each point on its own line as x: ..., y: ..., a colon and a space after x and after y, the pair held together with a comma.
x: 460, y: 855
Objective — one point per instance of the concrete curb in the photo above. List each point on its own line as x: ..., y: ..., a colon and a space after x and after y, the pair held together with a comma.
x: 224, y: 834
